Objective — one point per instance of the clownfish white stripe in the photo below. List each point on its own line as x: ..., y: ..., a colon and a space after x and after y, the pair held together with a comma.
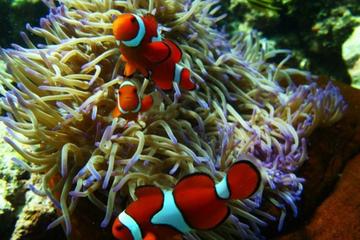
x: 127, y: 83
x: 177, y: 74
x: 139, y: 36
x: 170, y: 214
x: 131, y: 224
x: 222, y: 189
x: 138, y: 107
x: 158, y: 38
x: 136, y: 110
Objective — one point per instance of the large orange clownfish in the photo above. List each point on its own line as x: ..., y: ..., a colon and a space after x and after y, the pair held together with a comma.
x: 196, y: 202
x: 129, y: 104
x: 143, y: 49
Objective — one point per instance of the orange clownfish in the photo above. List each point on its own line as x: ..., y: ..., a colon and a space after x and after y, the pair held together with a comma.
x: 195, y: 203
x: 129, y: 104
x: 143, y: 49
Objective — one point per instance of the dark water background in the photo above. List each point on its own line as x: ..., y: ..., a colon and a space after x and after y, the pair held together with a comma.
x: 14, y: 19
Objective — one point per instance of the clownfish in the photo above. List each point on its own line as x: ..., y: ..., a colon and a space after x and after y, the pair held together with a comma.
x: 143, y: 49
x: 195, y: 203
x: 129, y: 104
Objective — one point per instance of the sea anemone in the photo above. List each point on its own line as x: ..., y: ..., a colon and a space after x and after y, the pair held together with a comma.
x: 58, y: 96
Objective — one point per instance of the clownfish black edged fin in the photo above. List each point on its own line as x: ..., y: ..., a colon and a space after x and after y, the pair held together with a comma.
x: 243, y: 179
x: 157, y: 52
x: 147, y: 190
x: 212, y: 220
x: 176, y: 53
x: 222, y: 218
x: 195, y: 180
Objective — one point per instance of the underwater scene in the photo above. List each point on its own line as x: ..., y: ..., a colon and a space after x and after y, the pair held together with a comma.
x: 179, y: 119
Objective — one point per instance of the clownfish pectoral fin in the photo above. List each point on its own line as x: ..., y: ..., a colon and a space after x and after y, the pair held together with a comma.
x: 147, y: 190
x: 157, y: 52
x: 123, y: 58
x: 146, y: 103
x: 217, y: 216
x: 150, y: 236
x: 116, y: 112
x: 177, y: 237
x: 151, y: 22
x: 129, y: 69
x: 195, y: 180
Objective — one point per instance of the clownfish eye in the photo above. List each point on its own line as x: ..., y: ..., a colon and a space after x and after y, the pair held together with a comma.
x: 133, y: 19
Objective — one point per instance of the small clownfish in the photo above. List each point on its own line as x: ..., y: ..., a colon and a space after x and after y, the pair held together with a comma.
x: 143, y: 49
x: 129, y: 104
x: 195, y: 203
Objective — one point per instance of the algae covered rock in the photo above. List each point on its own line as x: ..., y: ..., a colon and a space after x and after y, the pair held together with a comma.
x: 35, y: 216
x: 351, y: 55
x: 12, y: 180
x: 314, y: 30
x: 23, y: 214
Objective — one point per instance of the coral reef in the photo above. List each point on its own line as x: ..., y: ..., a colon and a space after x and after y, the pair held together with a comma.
x: 59, y: 94
x: 35, y: 215
x: 314, y: 30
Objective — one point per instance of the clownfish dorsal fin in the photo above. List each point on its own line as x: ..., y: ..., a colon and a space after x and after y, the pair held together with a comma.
x: 195, y: 180
x: 157, y: 52
x: 147, y: 190
x: 151, y: 21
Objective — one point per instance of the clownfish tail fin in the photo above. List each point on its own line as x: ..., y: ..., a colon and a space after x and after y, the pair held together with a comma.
x: 242, y: 180
x: 185, y: 80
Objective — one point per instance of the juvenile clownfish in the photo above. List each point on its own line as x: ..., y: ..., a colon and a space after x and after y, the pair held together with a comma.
x: 143, y: 49
x: 195, y: 203
x: 129, y: 104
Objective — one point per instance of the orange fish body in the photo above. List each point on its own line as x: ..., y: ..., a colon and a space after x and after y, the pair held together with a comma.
x: 143, y: 49
x: 195, y: 203
x: 129, y: 104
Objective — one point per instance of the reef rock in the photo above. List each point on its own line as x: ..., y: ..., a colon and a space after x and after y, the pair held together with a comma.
x: 314, y: 31
x: 338, y: 217
x: 329, y: 209
x: 341, y: 209
x: 351, y: 55
x: 23, y: 214
x: 12, y: 180
x: 34, y: 218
